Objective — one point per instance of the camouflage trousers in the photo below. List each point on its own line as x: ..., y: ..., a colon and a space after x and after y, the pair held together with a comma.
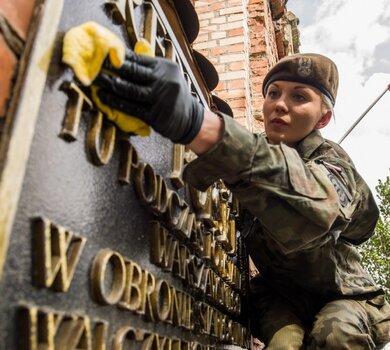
x: 339, y: 324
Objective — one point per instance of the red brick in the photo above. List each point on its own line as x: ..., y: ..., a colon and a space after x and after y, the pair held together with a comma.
x: 258, y: 104
x: 217, y: 51
x: 221, y: 86
x: 234, y: 32
x: 256, y: 15
x: 257, y: 7
x: 236, y: 48
x: 238, y: 93
x: 204, y: 52
x: 236, y: 66
x: 233, y: 3
x: 258, y: 48
x: 206, y: 30
x: 217, y: 6
x: 202, y: 9
x: 7, y: 70
x: 257, y: 80
x: 18, y: 13
x: 220, y: 68
x: 260, y: 72
x: 236, y: 84
x: 202, y: 38
x: 257, y: 29
x: 213, y: 60
x: 254, y: 64
x: 252, y: 22
x: 237, y: 103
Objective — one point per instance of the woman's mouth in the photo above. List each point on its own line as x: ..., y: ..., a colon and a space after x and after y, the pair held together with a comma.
x: 278, y: 121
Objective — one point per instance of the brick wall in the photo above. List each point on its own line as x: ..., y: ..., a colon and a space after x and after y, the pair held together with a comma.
x: 222, y: 39
x: 263, y: 52
x: 243, y: 39
x: 15, y: 19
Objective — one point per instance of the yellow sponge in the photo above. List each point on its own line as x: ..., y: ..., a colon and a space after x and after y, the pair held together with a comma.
x: 124, y: 121
x: 84, y: 49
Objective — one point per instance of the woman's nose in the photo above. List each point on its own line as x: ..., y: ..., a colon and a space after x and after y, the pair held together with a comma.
x: 281, y: 105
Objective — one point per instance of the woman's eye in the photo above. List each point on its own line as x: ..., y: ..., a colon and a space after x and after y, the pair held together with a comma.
x: 299, y: 97
x: 272, y: 94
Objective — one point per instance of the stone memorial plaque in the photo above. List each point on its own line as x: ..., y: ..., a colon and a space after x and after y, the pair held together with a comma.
x: 102, y: 244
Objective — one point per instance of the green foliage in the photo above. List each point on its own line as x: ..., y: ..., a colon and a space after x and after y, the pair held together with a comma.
x: 376, y: 251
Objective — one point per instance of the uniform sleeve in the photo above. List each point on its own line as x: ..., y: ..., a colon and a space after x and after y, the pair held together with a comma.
x: 294, y: 201
x: 365, y: 215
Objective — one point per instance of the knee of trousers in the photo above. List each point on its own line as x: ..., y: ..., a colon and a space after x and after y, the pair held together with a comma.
x: 289, y: 337
x: 339, y: 335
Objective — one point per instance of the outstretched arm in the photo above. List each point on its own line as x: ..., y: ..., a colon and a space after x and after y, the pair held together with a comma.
x: 210, y: 133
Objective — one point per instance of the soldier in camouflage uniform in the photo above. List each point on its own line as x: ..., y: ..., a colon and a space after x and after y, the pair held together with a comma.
x: 307, y: 205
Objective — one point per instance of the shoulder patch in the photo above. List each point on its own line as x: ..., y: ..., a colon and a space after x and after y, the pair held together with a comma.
x: 334, y: 174
x: 340, y: 189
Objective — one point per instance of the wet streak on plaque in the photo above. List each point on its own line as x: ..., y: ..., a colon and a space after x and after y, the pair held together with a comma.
x: 109, y: 248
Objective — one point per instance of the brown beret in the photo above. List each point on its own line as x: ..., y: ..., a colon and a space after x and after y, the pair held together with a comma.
x: 308, y: 68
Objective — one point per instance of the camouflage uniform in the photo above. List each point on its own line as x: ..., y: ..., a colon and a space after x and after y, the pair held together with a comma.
x: 308, y: 208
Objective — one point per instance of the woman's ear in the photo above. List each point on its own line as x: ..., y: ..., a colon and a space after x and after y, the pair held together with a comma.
x: 325, y: 119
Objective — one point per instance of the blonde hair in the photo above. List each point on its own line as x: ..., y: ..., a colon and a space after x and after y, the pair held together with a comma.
x: 326, y: 104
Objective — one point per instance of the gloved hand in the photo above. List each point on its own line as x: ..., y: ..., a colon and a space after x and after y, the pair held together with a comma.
x: 154, y: 90
x: 85, y: 48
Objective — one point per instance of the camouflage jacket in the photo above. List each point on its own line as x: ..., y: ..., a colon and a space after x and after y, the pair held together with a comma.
x: 311, y: 207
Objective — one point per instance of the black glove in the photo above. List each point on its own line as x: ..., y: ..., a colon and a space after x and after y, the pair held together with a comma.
x: 154, y: 90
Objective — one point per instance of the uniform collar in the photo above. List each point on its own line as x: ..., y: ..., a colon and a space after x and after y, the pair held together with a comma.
x: 309, y: 144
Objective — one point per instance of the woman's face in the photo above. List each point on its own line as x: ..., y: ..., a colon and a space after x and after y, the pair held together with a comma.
x: 291, y: 111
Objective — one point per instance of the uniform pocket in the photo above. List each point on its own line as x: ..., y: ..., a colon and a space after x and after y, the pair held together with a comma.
x: 378, y: 310
x: 305, y: 178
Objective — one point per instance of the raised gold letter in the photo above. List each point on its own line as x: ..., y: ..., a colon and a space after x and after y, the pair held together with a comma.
x: 145, y: 184
x: 128, y: 161
x: 178, y: 164
x: 132, y: 296
x: 98, y: 277
x: 58, y: 252
x: 100, y: 148
x: 77, y: 101
x: 161, y: 300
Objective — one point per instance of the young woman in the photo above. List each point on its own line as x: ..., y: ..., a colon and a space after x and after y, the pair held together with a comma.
x: 307, y: 206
